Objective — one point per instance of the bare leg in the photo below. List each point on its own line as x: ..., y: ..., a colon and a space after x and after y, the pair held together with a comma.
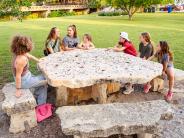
x: 170, y: 74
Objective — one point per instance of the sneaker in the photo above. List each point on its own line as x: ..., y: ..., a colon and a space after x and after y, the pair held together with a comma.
x: 147, y: 87
x: 129, y: 89
x: 169, y: 96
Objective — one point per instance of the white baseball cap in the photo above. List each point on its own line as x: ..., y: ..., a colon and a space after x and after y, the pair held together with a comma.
x: 124, y: 35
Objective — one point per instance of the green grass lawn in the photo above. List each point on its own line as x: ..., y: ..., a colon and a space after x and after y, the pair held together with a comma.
x: 105, y: 32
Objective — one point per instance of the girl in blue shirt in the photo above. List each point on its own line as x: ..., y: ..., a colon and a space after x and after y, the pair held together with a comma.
x: 165, y: 57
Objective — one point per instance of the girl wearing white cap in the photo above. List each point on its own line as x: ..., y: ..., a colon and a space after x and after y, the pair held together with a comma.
x: 124, y: 45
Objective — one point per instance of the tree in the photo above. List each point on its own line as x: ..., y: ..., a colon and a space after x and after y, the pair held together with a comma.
x: 93, y: 4
x: 13, y: 8
x: 132, y: 6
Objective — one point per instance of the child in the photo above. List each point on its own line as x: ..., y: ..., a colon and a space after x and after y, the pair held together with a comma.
x: 146, y: 50
x: 53, y: 42
x: 71, y: 41
x: 21, y: 46
x: 127, y: 47
x: 165, y: 57
x: 87, y: 43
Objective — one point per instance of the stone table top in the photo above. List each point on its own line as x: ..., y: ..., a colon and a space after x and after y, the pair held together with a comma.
x: 79, y: 68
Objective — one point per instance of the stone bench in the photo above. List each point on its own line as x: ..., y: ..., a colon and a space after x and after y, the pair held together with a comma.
x: 21, y: 110
x: 158, y: 83
x: 179, y: 74
x: 104, y: 120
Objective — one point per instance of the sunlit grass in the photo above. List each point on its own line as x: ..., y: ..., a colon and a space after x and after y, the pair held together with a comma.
x: 105, y: 31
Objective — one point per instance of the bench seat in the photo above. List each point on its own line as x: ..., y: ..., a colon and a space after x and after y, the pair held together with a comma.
x: 103, y: 120
x: 21, y: 110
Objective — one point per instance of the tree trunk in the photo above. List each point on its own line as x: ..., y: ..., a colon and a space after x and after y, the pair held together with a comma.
x: 130, y: 16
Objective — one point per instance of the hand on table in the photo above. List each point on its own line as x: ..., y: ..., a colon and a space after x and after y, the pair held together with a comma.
x: 41, y: 59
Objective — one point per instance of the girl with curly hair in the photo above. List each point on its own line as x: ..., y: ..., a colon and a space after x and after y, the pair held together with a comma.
x: 20, y: 48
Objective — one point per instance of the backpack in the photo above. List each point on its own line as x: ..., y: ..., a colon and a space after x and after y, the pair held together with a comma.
x: 46, y: 52
x: 43, y: 112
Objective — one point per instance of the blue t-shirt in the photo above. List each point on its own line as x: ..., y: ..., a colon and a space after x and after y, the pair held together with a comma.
x: 164, y: 59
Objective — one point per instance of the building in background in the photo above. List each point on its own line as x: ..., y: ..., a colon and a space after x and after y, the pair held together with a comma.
x: 179, y: 2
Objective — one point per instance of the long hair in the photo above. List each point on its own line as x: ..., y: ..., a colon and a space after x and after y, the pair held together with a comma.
x: 74, y: 28
x: 147, y: 38
x: 165, y: 50
x: 51, y: 35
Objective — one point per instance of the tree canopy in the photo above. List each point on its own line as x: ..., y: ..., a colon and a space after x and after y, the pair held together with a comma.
x: 12, y: 8
x: 132, y: 6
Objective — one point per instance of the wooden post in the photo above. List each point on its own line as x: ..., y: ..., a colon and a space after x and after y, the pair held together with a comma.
x: 99, y: 93
x: 61, y: 96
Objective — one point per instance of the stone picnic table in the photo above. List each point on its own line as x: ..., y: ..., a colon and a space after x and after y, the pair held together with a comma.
x: 92, y: 70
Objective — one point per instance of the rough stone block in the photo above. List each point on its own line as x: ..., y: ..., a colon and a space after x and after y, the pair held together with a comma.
x: 21, y: 110
x: 22, y: 121
x: 13, y: 105
x: 104, y: 120
x: 179, y: 74
x: 157, y: 84
x: 99, y: 93
x: 79, y: 94
x: 79, y: 68
x: 113, y: 87
x: 61, y: 96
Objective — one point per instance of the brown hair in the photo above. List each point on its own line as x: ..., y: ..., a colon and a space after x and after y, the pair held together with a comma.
x: 21, y: 45
x: 88, y: 37
x: 147, y: 38
x: 51, y: 35
x: 74, y: 28
x: 165, y: 50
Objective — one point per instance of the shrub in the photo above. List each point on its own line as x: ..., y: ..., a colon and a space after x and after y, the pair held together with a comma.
x: 54, y: 14
x: 61, y: 13
x: 32, y: 16
x: 112, y: 13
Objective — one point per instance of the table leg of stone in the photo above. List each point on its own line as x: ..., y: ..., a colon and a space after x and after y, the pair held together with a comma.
x: 22, y: 121
x: 80, y: 137
x: 145, y: 135
x: 99, y: 93
x: 61, y: 96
